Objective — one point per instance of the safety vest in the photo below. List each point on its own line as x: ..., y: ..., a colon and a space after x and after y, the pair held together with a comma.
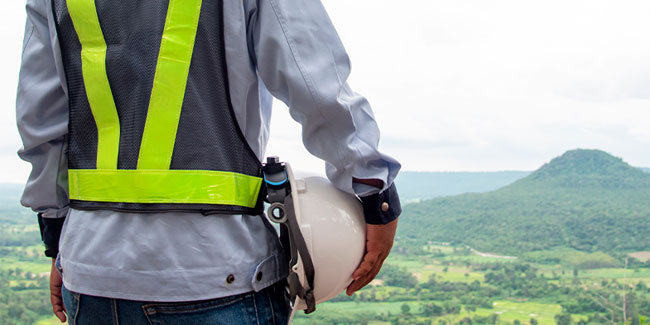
x: 151, y: 125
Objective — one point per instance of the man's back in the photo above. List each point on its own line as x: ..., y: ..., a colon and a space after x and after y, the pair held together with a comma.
x: 288, y: 47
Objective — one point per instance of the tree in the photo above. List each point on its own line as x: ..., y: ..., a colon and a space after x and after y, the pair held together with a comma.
x: 563, y: 319
x: 470, y: 308
x: 15, y: 311
x: 533, y: 321
x: 465, y: 321
x: 397, y: 276
x: 405, y: 309
x: 429, y: 310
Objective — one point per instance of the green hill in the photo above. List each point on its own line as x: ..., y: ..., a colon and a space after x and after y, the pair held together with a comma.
x: 585, y: 200
x: 416, y: 186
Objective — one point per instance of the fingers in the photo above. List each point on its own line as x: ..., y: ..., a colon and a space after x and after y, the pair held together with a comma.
x: 366, y: 272
x: 367, y: 264
x: 57, y: 303
x: 58, y: 311
x: 379, y: 241
x: 363, y: 280
x: 55, y: 294
x: 363, y: 272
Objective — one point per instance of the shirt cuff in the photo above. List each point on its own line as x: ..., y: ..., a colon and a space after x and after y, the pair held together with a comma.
x: 50, y: 234
x: 383, y: 207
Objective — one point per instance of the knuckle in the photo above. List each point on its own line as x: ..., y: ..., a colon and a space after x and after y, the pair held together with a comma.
x: 366, y: 265
x: 372, y: 258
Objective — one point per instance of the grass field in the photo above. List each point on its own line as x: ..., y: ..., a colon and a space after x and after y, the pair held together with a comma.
x: 375, y: 307
x: 641, y: 256
x: 49, y: 321
x: 572, y: 258
x: 508, y: 311
x: 456, y: 275
x: 616, y: 273
x: 10, y: 262
x: 442, y: 248
x: 476, y: 259
x: 633, y: 275
x: 423, y: 268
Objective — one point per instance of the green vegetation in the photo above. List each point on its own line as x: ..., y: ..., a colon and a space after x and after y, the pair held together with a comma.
x: 571, y: 257
x: 506, y: 292
x: 24, y: 277
x: 571, y: 226
x: 585, y: 200
x: 24, y: 296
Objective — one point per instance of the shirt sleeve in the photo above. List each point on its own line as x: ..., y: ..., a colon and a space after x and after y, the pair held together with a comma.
x: 302, y: 62
x: 42, y: 116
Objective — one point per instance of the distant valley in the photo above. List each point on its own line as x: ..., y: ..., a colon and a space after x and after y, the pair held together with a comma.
x: 416, y: 186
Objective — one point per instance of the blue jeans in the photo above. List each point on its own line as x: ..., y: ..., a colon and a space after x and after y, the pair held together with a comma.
x: 268, y: 306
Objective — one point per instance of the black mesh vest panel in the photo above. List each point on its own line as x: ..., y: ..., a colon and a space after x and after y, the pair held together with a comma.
x: 208, y: 136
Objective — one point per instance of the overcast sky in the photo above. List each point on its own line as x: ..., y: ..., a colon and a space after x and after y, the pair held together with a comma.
x: 462, y: 85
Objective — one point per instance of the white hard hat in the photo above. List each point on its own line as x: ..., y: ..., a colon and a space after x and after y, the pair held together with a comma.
x: 334, y: 231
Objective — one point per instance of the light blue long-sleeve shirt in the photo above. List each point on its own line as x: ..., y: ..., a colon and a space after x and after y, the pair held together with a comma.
x: 283, y: 48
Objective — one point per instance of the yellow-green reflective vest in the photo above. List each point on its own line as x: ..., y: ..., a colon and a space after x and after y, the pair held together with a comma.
x: 152, y: 126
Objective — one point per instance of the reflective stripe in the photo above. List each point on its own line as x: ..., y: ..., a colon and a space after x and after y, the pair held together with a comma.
x: 169, y: 84
x: 98, y: 90
x: 164, y: 186
x: 153, y: 181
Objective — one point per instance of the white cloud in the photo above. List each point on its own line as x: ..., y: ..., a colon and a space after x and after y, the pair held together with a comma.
x: 467, y: 85
x: 514, y: 83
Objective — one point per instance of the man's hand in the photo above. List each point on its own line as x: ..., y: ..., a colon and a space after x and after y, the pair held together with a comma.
x: 379, y: 241
x: 55, y: 293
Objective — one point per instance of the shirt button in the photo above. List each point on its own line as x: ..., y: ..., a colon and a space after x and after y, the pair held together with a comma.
x: 259, y: 276
x: 230, y: 279
x: 384, y: 207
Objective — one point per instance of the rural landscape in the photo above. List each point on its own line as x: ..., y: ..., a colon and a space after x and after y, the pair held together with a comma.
x: 565, y: 244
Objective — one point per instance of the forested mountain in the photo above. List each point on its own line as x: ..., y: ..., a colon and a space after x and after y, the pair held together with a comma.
x: 587, y: 200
